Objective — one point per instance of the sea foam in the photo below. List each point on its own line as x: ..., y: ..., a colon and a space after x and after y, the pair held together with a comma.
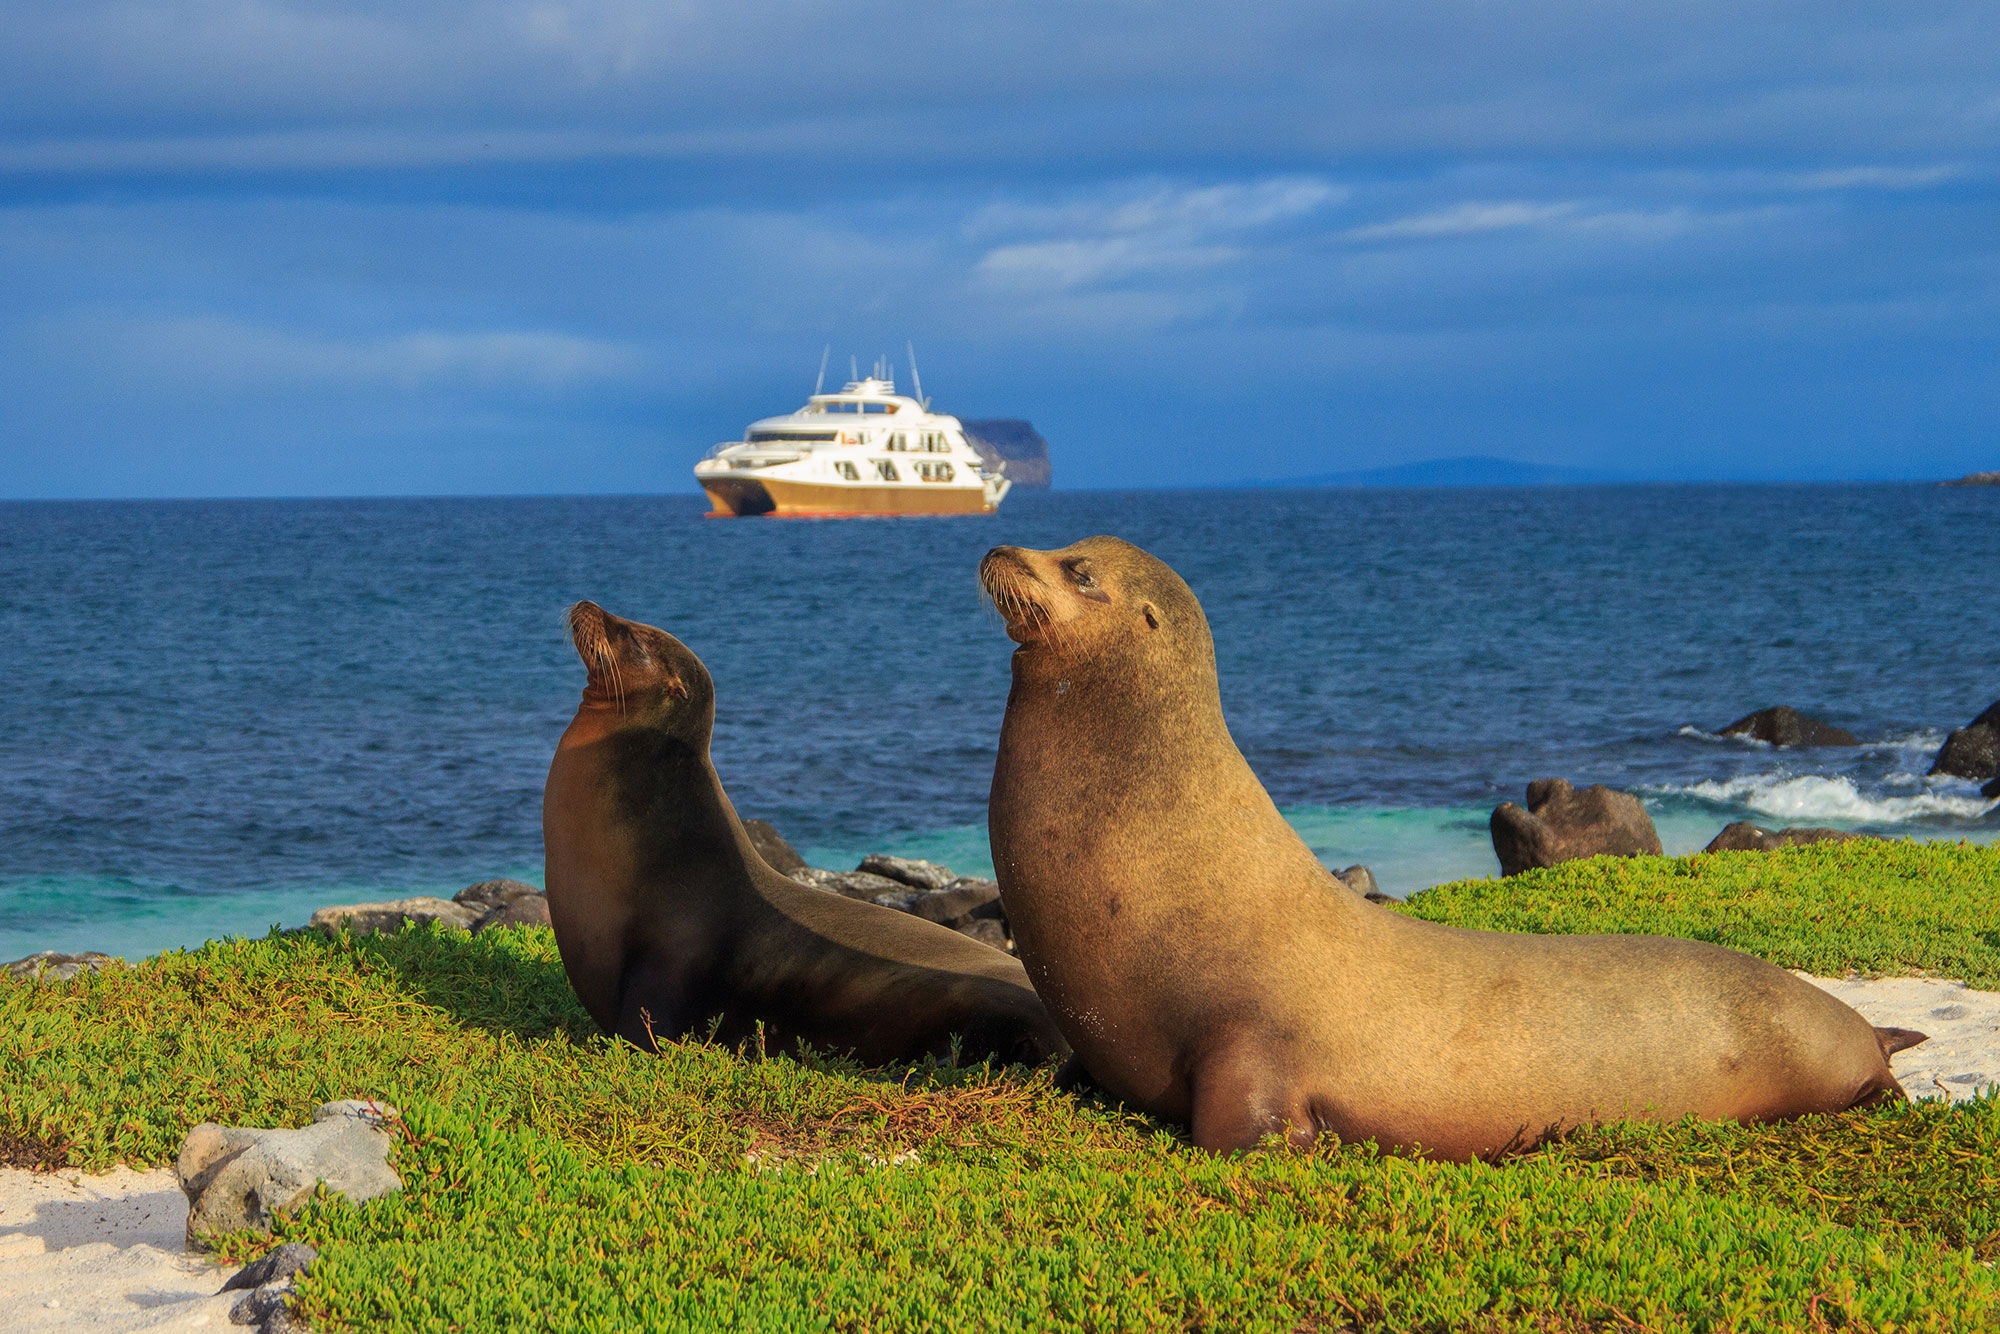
x: 1813, y: 797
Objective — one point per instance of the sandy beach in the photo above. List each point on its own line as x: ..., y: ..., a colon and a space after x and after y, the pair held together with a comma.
x: 107, y: 1252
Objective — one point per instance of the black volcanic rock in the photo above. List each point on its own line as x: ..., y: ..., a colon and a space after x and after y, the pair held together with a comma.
x: 1744, y: 836
x: 1016, y: 443
x: 1973, y: 751
x: 1784, y: 726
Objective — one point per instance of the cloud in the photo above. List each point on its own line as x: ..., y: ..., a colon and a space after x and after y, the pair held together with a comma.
x: 1462, y: 220
x: 1155, y: 230
x: 216, y: 352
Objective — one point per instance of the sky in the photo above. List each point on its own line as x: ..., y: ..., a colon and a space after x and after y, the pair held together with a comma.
x: 394, y: 247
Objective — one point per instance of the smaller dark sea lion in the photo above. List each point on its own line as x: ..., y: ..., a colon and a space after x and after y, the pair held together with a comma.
x: 669, y: 921
x: 1208, y: 969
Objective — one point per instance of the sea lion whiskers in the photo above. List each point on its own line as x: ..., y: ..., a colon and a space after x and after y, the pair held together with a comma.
x: 593, y: 644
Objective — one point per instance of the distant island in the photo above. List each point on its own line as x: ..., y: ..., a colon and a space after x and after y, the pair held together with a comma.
x: 1016, y: 443
x: 1469, y: 471
x: 1975, y: 479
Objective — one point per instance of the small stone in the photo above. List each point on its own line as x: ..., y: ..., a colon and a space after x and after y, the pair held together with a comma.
x: 392, y: 914
x: 291, y: 1259
x: 490, y: 894
x: 912, y: 871
x: 261, y: 1305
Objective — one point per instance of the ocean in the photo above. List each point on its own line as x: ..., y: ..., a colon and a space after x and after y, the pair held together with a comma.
x: 219, y: 715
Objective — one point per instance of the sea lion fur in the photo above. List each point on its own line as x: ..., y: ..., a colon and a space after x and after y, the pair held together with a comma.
x: 1208, y: 969
x: 670, y: 923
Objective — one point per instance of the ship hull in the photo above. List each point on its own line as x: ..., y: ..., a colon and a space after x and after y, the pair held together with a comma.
x: 777, y: 496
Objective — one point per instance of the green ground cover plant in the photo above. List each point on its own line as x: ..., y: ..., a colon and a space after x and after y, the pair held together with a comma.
x: 557, y: 1180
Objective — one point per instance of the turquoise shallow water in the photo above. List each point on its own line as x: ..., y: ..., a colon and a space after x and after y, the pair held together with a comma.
x: 220, y: 715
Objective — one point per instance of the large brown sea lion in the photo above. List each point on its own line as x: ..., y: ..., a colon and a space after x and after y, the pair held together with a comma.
x: 669, y: 921
x: 1208, y: 969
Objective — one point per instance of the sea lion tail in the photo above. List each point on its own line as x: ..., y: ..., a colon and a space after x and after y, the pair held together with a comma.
x: 1894, y: 1040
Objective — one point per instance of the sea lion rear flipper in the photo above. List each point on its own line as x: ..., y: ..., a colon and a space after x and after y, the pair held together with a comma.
x: 1894, y: 1040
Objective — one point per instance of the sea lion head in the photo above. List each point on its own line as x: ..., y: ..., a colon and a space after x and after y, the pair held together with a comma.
x: 640, y: 673
x: 1084, y: 599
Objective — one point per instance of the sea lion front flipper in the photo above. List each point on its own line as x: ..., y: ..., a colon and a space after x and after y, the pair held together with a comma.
x: 1071, y: 1077
x: 1894, y: 1040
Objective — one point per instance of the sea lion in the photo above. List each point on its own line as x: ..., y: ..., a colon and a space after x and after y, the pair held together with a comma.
x: 669, y: 921
x: 1209, y: 970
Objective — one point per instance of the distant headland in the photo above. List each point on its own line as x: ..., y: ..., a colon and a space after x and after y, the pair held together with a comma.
x: 1975, y: 479
x: 1015, y: 442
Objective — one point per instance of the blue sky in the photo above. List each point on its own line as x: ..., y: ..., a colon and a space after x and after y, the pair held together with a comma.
x: 401, y: 248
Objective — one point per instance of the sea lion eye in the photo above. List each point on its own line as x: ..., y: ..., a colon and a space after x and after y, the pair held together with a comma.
x: 1084, y: 583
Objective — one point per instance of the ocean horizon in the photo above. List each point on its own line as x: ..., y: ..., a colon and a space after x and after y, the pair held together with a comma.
x: 225, y: 713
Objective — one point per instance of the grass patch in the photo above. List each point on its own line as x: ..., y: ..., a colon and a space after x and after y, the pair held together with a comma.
x: 1874, y: 906
x: 556, y: 1180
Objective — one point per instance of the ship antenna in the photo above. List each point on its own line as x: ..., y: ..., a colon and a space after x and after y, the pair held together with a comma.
x: 916, y: 380
x: 853, y: 368
x: 820, y: 383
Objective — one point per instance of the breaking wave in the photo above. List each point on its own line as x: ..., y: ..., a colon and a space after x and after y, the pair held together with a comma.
x: 1812, y: 797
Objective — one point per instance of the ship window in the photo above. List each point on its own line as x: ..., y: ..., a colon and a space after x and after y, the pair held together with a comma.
x: 944, y: 472
x: 760, y: 437
x: 846, y: 470
x: 899, y: 443
x: 878, y: 407
x: 885, y: 470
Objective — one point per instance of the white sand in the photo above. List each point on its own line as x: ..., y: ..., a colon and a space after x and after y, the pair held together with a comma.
x: 103, y: 1253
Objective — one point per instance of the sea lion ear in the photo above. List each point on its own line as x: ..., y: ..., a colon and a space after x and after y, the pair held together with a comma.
x: 1152, y: 616
x: 676, y: 687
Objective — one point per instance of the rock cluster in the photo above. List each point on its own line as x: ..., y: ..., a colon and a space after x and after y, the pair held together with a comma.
x: 1562, y: 823
x: 476, y: 908
x: 1785, y: 726
x: 240, y: 1177
x: 1973, y: 752
x: 49, y: 966
x: 966, y: 904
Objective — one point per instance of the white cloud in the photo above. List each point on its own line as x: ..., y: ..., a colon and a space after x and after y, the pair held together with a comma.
x: 1158, y: 230
x: 213, y: 350
x: 1874, y: 178
x: 1462, y: 220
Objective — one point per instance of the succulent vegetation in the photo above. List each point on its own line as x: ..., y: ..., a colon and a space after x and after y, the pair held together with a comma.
x: 557, y: 1180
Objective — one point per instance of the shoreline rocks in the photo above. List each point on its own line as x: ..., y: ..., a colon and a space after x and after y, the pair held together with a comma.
x: 48, y: 966
x: 1743, y: 836
x: 1562, y: 823
x: 476, y: 908
x: 1783, y: 725
x: 1973, y: 751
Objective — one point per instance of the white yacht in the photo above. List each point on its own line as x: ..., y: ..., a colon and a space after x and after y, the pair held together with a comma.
x: 864, y: 450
